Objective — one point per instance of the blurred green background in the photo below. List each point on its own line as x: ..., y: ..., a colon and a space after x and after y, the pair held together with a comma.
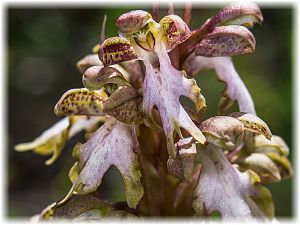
x: 43, y: 46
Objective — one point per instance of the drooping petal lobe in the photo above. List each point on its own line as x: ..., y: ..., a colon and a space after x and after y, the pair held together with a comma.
x: 53, y: 140
x: 49, y: 142
x: 221, y: 187
x: 235, y: 87
x: 183, y: 166
x: 111, y: 145
x: 163, y: 87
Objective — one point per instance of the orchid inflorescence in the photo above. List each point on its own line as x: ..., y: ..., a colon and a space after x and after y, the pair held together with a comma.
x: 173, y: 161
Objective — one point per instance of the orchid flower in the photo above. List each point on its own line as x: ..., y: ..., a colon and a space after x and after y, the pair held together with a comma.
x: 165, y: 151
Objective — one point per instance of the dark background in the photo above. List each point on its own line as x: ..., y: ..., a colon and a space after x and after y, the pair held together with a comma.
x: 43, y: 46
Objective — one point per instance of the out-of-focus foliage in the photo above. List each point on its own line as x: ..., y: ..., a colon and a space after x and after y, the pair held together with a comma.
x: 43, y: 46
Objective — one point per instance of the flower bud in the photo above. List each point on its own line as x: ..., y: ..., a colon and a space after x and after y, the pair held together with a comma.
x: 253, y: 123
x: 240, y: 13
x: 97, y: 77
x: 223, y: 131
x: 263, y: 166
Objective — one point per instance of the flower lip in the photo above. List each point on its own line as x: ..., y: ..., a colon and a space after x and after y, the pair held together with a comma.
x: 133, y: 21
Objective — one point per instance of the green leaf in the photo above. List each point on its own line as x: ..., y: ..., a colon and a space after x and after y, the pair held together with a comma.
x: 264, y: 201
x: 77, y: 205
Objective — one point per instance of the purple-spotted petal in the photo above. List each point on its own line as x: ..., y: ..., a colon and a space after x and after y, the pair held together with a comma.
x: 237, y: 13
x: 133, y: 21
x: 115, y: 50
x: 223, y: 131
x: 253, y: 123
x: 124, y: 104
x: 81, y: 102
x: 176, y: 30
x: 226, y: 41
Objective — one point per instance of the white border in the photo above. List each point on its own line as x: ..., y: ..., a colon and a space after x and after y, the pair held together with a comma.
x: 79, y: 3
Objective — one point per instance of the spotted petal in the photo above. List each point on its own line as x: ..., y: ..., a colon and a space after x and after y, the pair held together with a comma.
x: 176, y: 30
x: 237, y: 13
x: 253, y: 123
x: 226, y: 41
x: 81, y: 102
x: 115, y: 50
